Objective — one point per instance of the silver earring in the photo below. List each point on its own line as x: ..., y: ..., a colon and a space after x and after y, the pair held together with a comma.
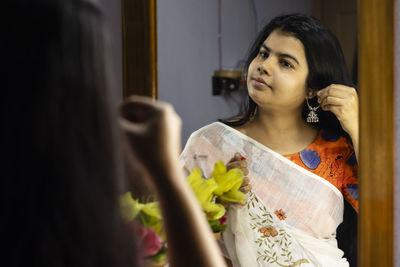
x: 312, y: 115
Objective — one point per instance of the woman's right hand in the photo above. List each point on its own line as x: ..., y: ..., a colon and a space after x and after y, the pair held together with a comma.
x: 238, y: 161
x: 154, y: 132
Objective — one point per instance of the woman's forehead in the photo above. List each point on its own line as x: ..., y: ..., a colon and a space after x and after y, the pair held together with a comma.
x: 285, y: 43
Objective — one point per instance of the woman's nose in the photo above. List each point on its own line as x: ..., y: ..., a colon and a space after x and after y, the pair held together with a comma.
x: 266, y: 66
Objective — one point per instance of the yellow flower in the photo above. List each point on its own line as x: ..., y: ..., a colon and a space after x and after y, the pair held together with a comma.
x: 152, y: 210
x: 149, y: 214
x: 204, y: 191
x: 130, y: 208
x: 228, y: 183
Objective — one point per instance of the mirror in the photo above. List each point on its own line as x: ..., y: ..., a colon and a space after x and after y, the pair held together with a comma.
x: 375, y: 75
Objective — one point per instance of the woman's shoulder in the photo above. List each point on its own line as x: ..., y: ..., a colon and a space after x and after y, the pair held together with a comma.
x: 331, y: 142
x: 209, y: 129
x: 216, y: 131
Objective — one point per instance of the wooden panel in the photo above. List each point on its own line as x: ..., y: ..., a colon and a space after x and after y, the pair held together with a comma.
x: 340, y: 17
x: 139, y: 33
x: 376, y: 81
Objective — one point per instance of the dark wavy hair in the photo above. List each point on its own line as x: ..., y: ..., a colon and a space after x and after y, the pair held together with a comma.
x: 60, y: 158
x: 325, y: 62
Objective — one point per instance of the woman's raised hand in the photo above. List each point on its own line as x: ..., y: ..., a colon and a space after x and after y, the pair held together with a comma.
x: 154, y: 130
x: 238, y: 161
x: 342, y: 101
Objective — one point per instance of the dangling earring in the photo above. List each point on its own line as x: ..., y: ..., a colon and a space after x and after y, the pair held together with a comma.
x: 312, y: 115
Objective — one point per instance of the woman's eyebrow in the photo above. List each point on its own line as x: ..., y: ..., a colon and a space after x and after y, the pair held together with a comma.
x: 281, y: 54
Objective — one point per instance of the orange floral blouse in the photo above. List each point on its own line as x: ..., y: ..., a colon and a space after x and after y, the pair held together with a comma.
x: 332, y: 157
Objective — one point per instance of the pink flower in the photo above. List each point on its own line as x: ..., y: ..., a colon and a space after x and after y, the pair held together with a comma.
x: 222, y: 220
x: 149, y: 240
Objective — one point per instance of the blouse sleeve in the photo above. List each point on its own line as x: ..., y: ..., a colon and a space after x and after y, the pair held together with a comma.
x: 350, y: 181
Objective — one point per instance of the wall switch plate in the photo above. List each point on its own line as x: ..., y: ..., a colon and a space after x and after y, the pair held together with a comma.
x: 224, y: 81
x: 223, y: 84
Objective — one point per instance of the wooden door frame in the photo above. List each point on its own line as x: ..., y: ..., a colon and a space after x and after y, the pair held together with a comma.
x: 376, y: 87
x: 377, y: 136
x: 139, y: 47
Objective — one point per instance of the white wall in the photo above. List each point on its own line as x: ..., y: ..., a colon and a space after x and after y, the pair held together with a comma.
x: 188, y: 51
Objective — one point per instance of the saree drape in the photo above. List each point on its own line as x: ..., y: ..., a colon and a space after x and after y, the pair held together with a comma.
x: 291, y: 214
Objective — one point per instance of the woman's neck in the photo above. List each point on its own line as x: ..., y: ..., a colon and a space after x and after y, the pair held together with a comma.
x: 285, y: 133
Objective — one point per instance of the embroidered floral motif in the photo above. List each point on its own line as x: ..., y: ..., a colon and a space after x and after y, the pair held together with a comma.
x: 268, y: 231
x: 280, y: 214
x: 274, y: 242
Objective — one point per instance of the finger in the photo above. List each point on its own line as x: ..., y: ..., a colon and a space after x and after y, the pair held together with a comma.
x: 243, y: 169
x: 335, y: 101
x: 245, y: 189
x: 239, y: 156
x: 236, y: 157
x: 136, y: 112
x: 237, y: 164
x: 140, y: 108
x: 333, y: 93
x: 246, y: 181
x: 336, y: 90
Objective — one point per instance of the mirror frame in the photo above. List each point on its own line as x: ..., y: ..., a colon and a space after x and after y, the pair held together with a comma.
x: 376, y: 87
x: 377, y: 136
x: 139, y: 47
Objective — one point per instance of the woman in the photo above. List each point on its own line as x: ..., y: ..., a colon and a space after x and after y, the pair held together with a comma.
x: 61, y: 162
x: 296, y: 135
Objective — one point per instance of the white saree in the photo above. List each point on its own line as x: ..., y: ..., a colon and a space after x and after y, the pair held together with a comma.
x: 291, y: 214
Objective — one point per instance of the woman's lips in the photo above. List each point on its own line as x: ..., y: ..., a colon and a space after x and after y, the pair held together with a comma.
x: 258, y: 82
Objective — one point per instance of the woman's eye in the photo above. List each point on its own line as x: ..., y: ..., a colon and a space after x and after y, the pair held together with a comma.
x: 286, y: 64
x: 263, y: 54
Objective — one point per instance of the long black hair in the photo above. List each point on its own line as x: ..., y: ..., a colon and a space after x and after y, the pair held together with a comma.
x: 59, y: 146
x: 325, y: 62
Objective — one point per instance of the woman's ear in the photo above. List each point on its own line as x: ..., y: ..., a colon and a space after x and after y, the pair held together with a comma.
x: 311, y: 93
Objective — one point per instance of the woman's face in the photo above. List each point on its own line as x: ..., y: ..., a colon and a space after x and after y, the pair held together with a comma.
x: 277, y: 75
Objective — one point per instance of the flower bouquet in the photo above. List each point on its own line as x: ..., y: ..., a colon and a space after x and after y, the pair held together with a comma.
x: 222, y: 186
x: 147, y: 221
